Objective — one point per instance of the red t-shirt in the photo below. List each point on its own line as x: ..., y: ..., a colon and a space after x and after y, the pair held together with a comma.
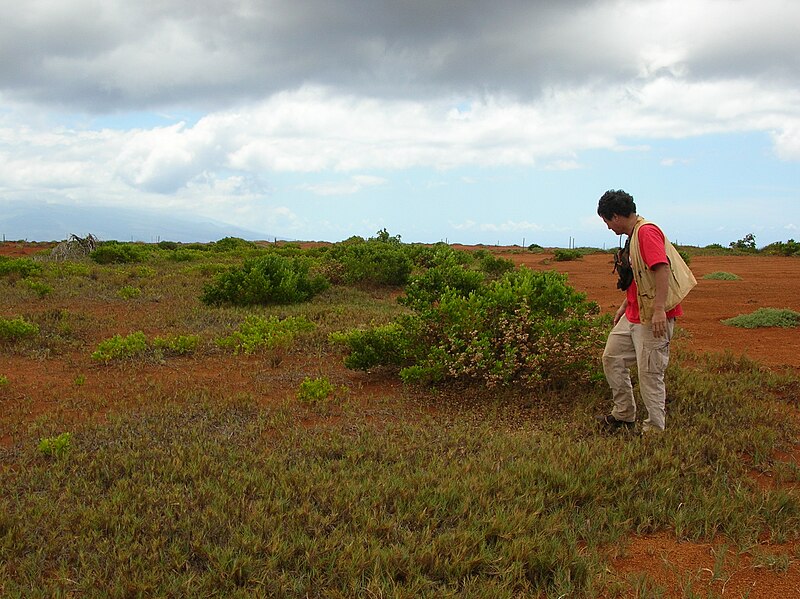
x: 651, y: 245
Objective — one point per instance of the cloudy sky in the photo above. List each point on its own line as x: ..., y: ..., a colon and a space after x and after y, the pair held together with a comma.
x: 471, y: 121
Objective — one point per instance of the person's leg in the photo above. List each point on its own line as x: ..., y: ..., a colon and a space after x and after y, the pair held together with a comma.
x: 652, y: 359
x: 618, y: 357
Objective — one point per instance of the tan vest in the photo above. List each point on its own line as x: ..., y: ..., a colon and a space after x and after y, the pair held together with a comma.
x: 681, y: 279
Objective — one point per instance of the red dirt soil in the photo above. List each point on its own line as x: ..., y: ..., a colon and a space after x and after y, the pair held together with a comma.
x: 765, y: 282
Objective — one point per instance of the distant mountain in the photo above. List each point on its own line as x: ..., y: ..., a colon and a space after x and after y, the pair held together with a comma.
x: 56, y: 222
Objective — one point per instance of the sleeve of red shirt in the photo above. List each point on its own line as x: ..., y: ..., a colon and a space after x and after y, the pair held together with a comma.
x: 651, y: 245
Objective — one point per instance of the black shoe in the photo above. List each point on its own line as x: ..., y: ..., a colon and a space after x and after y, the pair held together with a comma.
x: 611, y: 424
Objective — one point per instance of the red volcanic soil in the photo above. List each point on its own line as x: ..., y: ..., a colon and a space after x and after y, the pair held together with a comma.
x: 766, y: 282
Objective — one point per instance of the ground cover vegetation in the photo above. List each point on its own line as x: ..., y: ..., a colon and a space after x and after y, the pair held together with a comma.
x: 766, y: 317
x: 483, y: 476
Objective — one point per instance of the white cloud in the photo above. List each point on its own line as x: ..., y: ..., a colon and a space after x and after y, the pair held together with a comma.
x: 508, y: 226
x: 350, y: 186
x: 787, y: 142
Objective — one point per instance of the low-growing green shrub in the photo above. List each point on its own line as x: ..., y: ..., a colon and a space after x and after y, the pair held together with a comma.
x: 184, y: 255
x: 17, y: 328
x: 3, y: 380
x: 528, y: 328
x: 270, y: 279
x: 562, y: 255
x: 73, y: 269
x: 722, y: 276
x: 40, y: 289
x: 380, y: 260
x: 257, y: 332
x: 55, y: 447
x: 315, y: 390
x: 113, y: 252
x: 495, y: 266
x: 233, y: 244
x: 426, y: 288
x: 178, y: 345
x: 129, y: 292
x: 780, y: 248
x: 22, y: 267
x: 119, y: 347
x: 386, y: 345
x: 765, y: 317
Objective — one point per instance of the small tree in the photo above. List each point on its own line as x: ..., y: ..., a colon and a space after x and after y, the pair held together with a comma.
x: 745, y: 244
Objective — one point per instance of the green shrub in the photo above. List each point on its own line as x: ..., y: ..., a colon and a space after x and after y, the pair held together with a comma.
x: 113, y: 252
x: 426, y: 288
x: 129, y: 292
x: 722, y: 276
x: 4, y: 380
x: 55, y: 447
x: 22, y: 267
x: 177, y: 345
x: 37, y: 287
x: 765, y: 317
x: 375, y: 262
x: 270, y: 279
x: 119, y: 347
x: 184, y: 255
x: 495, y: 266
x: 17, y: 328
x: 168, y: 245
x: 561, y: 255
x: 780, y: 248
x: 528, y: 328
x: 144, y: 272
x: 257, y: 332
x: 73, y: 269
x: 685, y: 256
x: 315, y: 390
x: 380, y: 346
x: 233, y: 244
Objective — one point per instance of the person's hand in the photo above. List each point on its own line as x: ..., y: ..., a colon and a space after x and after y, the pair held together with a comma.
x: 619, y: 314
x: 659, y: 322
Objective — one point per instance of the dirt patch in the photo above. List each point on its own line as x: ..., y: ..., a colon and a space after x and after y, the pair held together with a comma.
x: 766, y: 282
x: 688, y: 569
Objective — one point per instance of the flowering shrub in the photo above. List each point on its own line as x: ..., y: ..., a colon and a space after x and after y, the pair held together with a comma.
x: 528, y: 328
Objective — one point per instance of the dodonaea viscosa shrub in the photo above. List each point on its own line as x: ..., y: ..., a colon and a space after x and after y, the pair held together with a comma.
x: 119, y: 347
x: 270, y: 279
x: 373, y: 261
x: 113, y: 252
x: 257, y: 333
x: 17, y: 328
x: 23, y: 267
x: 426, y: 288
x: 528, y: 328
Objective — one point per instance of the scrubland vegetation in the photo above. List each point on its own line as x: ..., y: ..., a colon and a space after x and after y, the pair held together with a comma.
x: 482, y: 474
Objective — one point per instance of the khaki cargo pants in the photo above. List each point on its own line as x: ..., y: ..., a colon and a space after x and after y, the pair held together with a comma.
x: 630, y: 344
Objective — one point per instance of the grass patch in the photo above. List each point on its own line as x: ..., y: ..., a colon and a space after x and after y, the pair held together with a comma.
x: 218, y: 496
x: 722, y: 276
x: 765, y: 317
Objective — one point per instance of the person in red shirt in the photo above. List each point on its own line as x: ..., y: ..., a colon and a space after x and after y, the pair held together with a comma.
x: 633, y: 341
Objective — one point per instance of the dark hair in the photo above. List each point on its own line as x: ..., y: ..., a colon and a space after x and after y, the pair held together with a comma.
x: 615, y: 201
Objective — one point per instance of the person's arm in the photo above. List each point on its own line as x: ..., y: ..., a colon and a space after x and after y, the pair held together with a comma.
x: 621, y: 310
x: 659, y: 322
